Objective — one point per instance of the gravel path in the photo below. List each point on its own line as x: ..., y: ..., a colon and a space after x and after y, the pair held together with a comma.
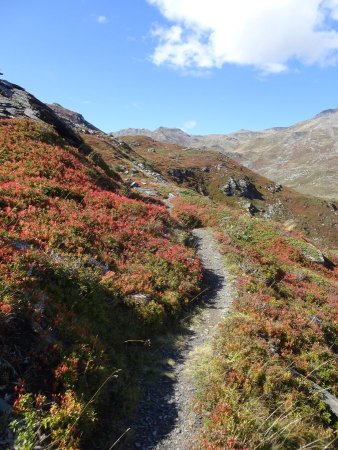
x: 166, y: 420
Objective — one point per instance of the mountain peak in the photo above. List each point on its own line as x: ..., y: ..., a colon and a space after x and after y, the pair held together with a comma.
x: 171, y: 129
x: 327, y: 112
x: 172, y: 132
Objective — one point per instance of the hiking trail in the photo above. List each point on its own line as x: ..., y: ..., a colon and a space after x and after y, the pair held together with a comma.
x: 165, y: 418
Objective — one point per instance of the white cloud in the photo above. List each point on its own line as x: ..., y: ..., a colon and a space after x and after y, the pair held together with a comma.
x: 189, y: 125
x: 333, y: 5
x: 266, y: 34
x: 102, y: 19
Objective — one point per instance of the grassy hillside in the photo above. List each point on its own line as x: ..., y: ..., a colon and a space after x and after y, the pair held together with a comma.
x: 87, y: 276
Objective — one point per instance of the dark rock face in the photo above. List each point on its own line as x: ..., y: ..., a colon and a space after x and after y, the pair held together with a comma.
x: 241, y: 187
x: 15, y: 102
x: 181, y: 175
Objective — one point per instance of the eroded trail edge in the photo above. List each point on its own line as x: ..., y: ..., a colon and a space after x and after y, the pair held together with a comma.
x: 166, y: 419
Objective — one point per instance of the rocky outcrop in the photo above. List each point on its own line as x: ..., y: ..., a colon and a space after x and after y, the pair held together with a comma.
x: 16, y: 102
x: 181, y: 175
x: 241, y: 187
x: 310, y: 252
x: 274, y: 188
x: 74, y: 120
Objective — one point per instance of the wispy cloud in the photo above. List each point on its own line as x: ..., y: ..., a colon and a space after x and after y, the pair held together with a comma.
x: 136, y: 105
x: 261, y: 33
x: 102, y: 19
x: 189, y: 125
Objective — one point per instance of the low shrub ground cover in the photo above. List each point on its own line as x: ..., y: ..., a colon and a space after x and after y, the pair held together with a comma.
x: 193, y: 210
x: 258, y: 387
x: 83, y: 270
x: 86, y: 272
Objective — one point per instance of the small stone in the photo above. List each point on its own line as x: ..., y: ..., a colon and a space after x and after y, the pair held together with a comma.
x: 332, y: 206
x: 134, y: 184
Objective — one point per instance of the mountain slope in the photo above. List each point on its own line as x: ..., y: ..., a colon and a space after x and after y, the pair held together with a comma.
x: 303, y: 156
x: 228, y: 182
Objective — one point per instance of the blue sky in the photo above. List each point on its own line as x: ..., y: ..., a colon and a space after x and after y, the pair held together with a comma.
x: 206, y: 66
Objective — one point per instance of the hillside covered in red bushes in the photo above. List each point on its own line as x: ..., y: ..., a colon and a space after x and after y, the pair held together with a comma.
x: 83, y: 271
x: 93, y: 271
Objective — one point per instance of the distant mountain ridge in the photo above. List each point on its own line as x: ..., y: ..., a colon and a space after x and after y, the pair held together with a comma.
x: 162, y: 134
x: 303, y: 156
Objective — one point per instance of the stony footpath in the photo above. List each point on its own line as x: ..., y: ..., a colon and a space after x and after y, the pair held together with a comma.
x: 166, y: 420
